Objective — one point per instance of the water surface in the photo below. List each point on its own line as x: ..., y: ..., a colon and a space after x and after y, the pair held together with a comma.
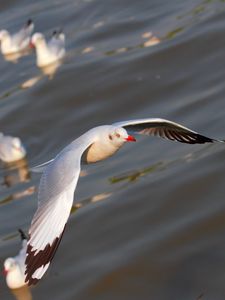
x: 149, y: 222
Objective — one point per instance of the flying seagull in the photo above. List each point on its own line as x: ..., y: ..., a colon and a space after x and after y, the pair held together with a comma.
x: 60, y: 176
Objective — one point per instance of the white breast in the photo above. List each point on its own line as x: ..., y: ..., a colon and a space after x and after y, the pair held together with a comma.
x: 15, y: 279
x: 99, y: 151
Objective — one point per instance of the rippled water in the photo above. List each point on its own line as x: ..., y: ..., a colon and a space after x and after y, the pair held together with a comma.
x: 150, y: 223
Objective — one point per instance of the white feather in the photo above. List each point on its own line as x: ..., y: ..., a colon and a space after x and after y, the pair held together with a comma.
x: 48, y: 52
x: 55, y: 198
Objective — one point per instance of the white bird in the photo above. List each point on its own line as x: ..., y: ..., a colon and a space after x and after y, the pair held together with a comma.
x: 14, y: 267
x: 51, y: 52
x: 18, y: 41
x: 11, y: 148
x: 60, y: 176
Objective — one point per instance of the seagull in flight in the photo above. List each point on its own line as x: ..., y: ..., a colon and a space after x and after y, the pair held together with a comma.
x: 60, y: 175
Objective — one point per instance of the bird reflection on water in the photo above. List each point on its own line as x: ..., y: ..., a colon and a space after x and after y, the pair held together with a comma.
x: 22, y: 293
x: 14, y: 57
x: 13, y: 174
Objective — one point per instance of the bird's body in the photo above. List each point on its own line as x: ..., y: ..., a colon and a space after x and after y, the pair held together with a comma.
x: 60, y: 176
x: 99, y: 148
x: 11, y: 148
x: 18, y: 41
x: 14, y: 267
x: 48, y: 52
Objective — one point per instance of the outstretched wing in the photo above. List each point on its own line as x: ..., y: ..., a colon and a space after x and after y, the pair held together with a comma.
x: 165, y: 129
x: 55, y: 198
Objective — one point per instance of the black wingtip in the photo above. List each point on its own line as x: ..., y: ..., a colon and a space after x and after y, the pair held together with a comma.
x: 57, y: 32
x: 22, y: 234
x: 201, y: 139
x: 29, y: 22
x: 34, y: 260
x: 32, y: 281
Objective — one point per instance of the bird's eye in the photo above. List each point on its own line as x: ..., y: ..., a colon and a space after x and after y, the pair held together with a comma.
x: 110, y: 137
x: 118, y: 135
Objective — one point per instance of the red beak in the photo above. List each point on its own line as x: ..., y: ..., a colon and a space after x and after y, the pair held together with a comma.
x: 31, y: 45
x: 130, y: 138
x: 4, y: 272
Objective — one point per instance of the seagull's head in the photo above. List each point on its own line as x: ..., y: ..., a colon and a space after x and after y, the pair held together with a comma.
x: 18, y: 150
x: 118, y: 136
x: 4, y: 35
x: 9, y: 265
x: 37, y: 39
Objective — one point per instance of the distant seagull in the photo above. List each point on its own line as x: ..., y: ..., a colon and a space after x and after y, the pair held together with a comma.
x: 60, y: 176
x: 14, y: 266
x: 11, y: 148
x: 18, y: 41
x: 51, y: 52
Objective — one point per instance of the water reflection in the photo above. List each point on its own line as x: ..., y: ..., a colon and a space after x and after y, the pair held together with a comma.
x: 200, y: 297
x: 48, y: 71
x: 88, y: 50
x: 27, y: 192
x: 196, y: 14
x: 30, y: 82
x: 14, y: 57
x: 173, y: 33
x: 135, y: 175
x: 93, y: 199
x: 22, y: 293
x: 16, y: 172
x: 51, y: 69
x: 13, y: 174
x: 151, y: 40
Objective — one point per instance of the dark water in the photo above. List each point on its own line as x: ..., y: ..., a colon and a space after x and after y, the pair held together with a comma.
x: 150, y: 223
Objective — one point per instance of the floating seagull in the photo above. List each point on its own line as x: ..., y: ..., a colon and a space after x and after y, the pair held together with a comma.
x: 59, y: 180
x: 11, y: 148
x: 14, y: 267
x: 16, y: 42
x: 51, y: 52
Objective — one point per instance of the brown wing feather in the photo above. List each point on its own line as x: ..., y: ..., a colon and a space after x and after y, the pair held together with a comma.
x: 40, y: 259
x: 170, y: 132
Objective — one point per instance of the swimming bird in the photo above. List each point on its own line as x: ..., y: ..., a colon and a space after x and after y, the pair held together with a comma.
x: 60, y: 175
x: 14, y: 267
x: 11, y: 148
x: 18, y: 41
x: 51, y: 51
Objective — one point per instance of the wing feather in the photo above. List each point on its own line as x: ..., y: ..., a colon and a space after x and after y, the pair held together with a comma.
x: 22, y: 37
x: 165, y: 129
x: 55, y: 199
x: 40, y: 168
x: 57, y: 44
